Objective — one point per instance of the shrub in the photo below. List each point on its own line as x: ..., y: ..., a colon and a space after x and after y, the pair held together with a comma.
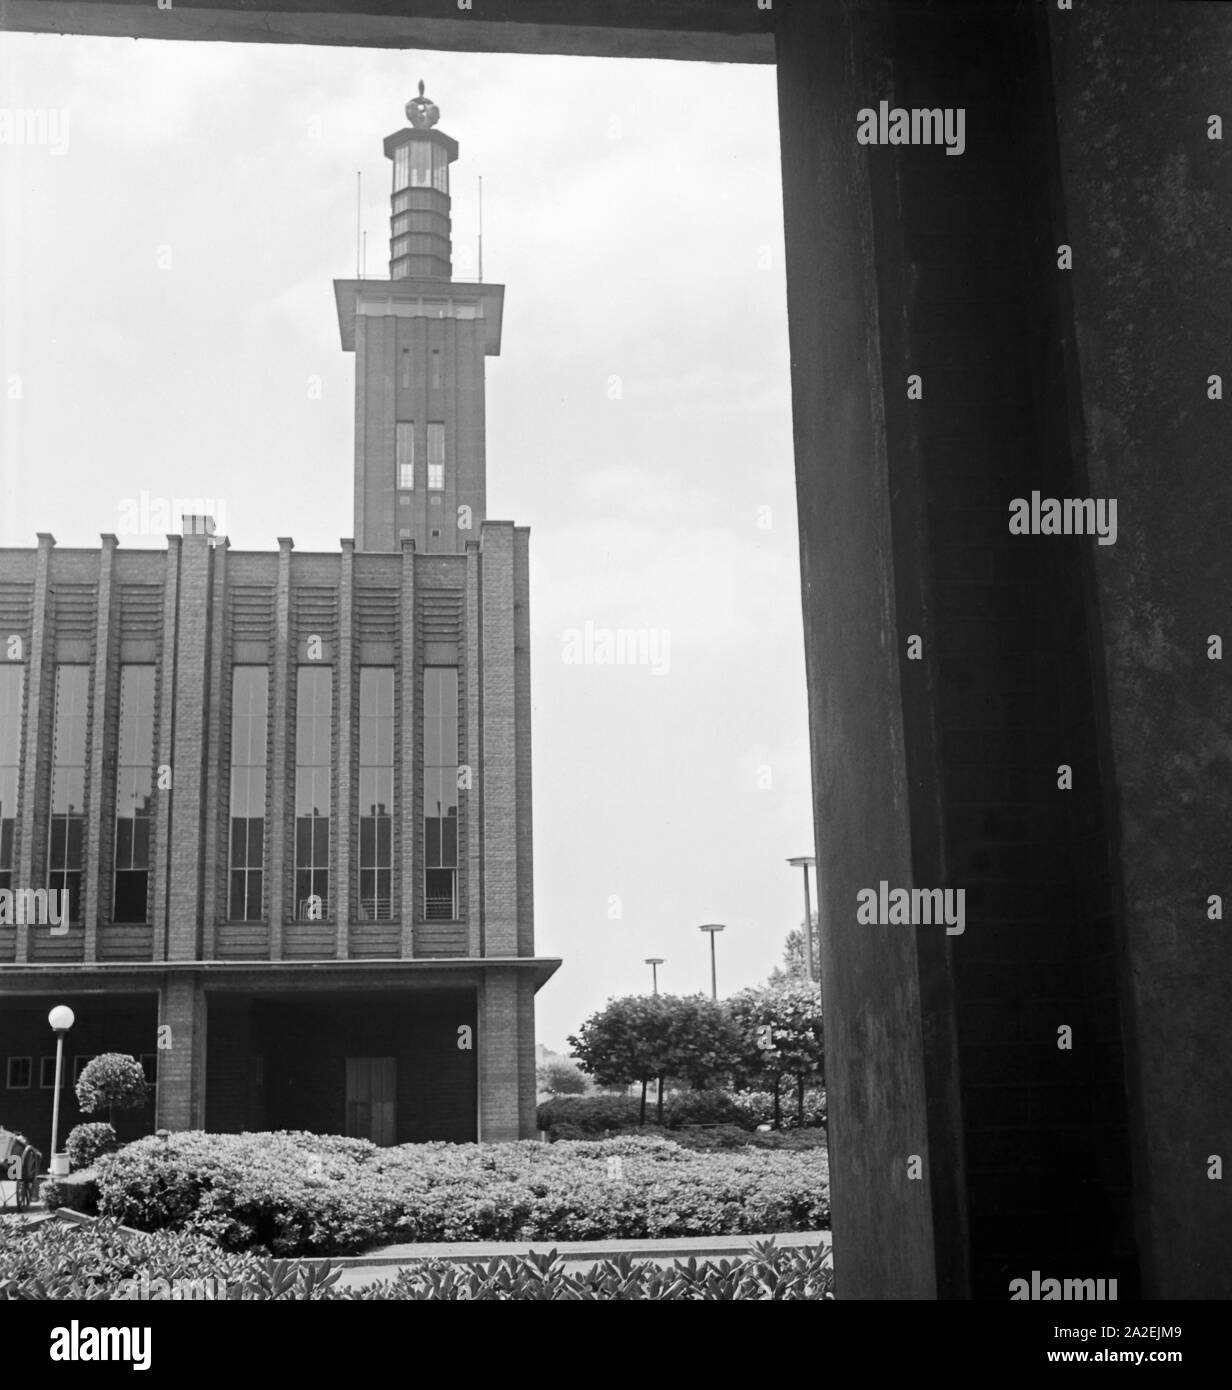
x: 111, y: 1082
x: 589, y: 1116
x: 56, y: 1261
x: 758, y: 1107
x: 77, y: 1192
x: 705, y: 1108
x: 88, y: 1142
x: 297, y: 1194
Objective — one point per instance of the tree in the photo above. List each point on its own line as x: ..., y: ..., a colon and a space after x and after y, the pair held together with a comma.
x: 643, y: 1036
x: 780, y: 1034
x: 793, y: 966
x: 112, y: 1081
x: 626, y: 1041
x: 562, y: 1078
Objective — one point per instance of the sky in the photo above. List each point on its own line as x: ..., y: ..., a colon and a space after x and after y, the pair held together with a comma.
x: 169, y: 232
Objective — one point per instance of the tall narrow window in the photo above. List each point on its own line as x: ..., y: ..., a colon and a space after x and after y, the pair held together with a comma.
x: 441, y: 793
x: 421, y: 164
x: 249, y: 725
x: 436, y: 367
x: 404, y: 445
x: 134, y: 790
x: 11, y: 684
x: 436, y: 456
x: 406, y: 366
x: 376, y: 793
x: 68, y: 788
x: 402, y: 166
x: 313, y: 768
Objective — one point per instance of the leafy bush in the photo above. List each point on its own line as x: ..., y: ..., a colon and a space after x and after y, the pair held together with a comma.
x: 112, y: 1081
x: 88, y: 1142
x: 732, y: 1137
x: 704, y: 1108
x: 758, y: 1107
x: 588, y: 1116
x: 301, y: 1194
x: 77, y: 1192
x: 55, y: 1261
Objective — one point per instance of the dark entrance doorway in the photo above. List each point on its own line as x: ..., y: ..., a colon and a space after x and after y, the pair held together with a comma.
x: 371, y: 1098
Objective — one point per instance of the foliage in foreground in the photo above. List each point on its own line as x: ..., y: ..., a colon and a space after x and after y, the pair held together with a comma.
x: 291, y: 1193
x: 591, y: 1117
x: 56, y: 1261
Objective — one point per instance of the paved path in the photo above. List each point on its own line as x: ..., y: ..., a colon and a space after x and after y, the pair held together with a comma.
x: 385, y: 1263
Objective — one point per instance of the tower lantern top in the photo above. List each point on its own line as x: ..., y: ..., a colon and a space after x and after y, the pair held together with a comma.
x: 422, y: 112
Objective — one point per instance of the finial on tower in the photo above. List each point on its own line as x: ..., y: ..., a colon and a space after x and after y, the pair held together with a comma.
x: 421, y: 112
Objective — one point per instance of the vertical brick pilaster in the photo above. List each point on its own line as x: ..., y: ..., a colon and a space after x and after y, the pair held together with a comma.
x: 498, y: 750
x: 360, y: 526
x: 217, y: 787
x: 280, y: 838
x: 344, y: 839
x: 181, y: 1067
x: 407, y: 816
x: 99, y: 743
x: 472, y: 801
x: 189, y: 753
x: 521, y: 691
x: 39, y: 712
x: 499, y: 1107
x: 160, y: 875
x: 528, y: 1089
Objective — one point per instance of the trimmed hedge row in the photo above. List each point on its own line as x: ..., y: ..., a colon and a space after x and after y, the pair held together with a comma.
x: 292, y: 1193
x: 55, y: 1261
x: 590, y: 1117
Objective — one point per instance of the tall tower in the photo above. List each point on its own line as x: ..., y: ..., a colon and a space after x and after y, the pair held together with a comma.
x: 420, y: 339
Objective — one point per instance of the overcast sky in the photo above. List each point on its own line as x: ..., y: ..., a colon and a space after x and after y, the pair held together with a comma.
x: 166, y: 301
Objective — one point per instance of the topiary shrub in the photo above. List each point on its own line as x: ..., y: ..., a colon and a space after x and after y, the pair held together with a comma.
x: 111, y: 1082
x: 88, y: 1143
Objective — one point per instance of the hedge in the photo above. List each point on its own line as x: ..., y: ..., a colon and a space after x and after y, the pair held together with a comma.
x: 577, y: 1117
x: 56, y: 1261
x: 292, y: 1193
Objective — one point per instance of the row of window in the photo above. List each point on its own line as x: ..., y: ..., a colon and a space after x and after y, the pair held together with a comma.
x: 19, y: 1071
x: 404, y: 455
x: 314, y: 727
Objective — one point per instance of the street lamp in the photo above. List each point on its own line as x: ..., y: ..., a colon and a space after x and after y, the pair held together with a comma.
x: 806, y: 862
x: 712, y: 928
x: 61, y: 1020
x: 654, y: 962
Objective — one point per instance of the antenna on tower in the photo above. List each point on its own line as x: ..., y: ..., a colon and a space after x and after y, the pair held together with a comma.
x: 359, y: 202
x: 364, y: 263
x: 481, y: 229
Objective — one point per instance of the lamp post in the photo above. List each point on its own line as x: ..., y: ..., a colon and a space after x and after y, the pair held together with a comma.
x: 713, y: 928
x: 61, y: 1019
x: 806, y: 862
x: 654, y: 962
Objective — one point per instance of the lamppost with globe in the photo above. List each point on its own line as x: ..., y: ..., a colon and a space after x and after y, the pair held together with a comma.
x: 61, y: 1019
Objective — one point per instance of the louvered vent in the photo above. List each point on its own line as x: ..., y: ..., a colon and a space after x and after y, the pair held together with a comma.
x: 316, y: 611
x: 440, y: 615
x: 16, y: 602
x: 252, y: 614
x: 376, y: 614
x: 73, y: 609
x: 141, y: 610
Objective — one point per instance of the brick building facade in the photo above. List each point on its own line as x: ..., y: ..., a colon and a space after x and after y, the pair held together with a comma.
x: 287, y: 796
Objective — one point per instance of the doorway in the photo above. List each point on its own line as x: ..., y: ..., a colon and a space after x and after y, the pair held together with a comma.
x: 371, y: 1104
